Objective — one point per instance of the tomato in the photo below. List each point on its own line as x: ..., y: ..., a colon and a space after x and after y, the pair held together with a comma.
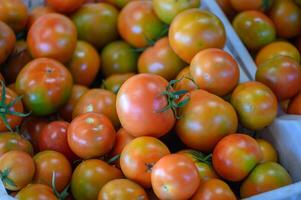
x: 16, y: 61
x: 96, y: 23
x: 36, y: 13
x: 255, y: 103
x: 118, y: 3
x: 138, y: 23
x: 260, y: 5
x: 45, y: 84
x: 275, y: 49
x: 76, y: 92
x: 214, y: 189
x: 13, y: 141
x: 267, y: 150
x: 122, y: 189
x: 282, y: 74
x: 91, y: 135
x: 160, y: 59
x: 205, y: 120
x: 194, y: 30
x: 235, y: 156
x: 66, y: 6
x: 287, y: 18
x: 98, y: 101
x: 265, y: 177
x: 48, y: 33
x: 186, y: 82
x: 294, y: 107
x: 254, y: 28
x: 118, y: 58
x: 36, y: 192
x: 84, y: 64
x: 90, y: 176
x: 138, y: 158
x: 114, y: 82
x: 212, y: 68
x: 122, y: 139
x: 17, y: 169
x: 175, y: 177
x: 7, y: 40
x: 227, y: 8
x: 138, y: 105
x: 168, y: 9
x: 49, y: 163
x: 14, y: 13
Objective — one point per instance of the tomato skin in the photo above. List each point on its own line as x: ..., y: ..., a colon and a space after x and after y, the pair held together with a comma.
x: 36, y: 192
x: 98, y: 101
x: 90, y: 176
x: 160, y: 59
x: 205, y: 120
x: 214, y: 189
x: 122, y: 189
x: 118, y: 3
x: 7, y: 41
x: 227, y: 8
x: 294, y: 107
x: 21, y: 168
x: 51, y: 89
x: 269, y: 154
x: 115, y: 81
x: 287, y: 18
x: 66, y: 6
x: 13, y: 141
x: 212, y: 68
x: 137, y: 95
x: 175, y: 177
x: 235, y: 156
x: 96, y: 23
x: 265, y: 177
x: 282, y: 74
x: 139, y: 15
x: 260, y: 5
x: 201, y: 30
x: 118, y: 57
x: 36, y: 13
x: 138, y: 158
x: 122, y: 139
x: 14, y: 13
x: 279, y: 48
x: 185, y: 83
x: 260, y: 98
x: 91, y: 135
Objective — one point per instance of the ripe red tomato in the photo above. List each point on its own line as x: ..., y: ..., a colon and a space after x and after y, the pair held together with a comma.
x: 194, y: 30
x: 254, y: 28
x: 186, y: 82
x: 49, y: 162
x: 175, y: 177
x: 7, y: 40
x: 138, y: 158
x: 122, y: 139
x: 65, y: 6
x: 36, y: 192
x: 36, y: 13
x: 212, y: 68
x: 235, y: 156
x: 138, y: 105
x: 90, y: 176
x: 84, y: 64
x: 98, y: 101
x: 282, y: 74
x: 14, y: 13
x: 265, y: 177
x: 205, y: 120
x: 45, y: 84
x: 255, y: 103
x: 122, y: 189
x: 260, y: 5
x: 13, y: 141
x: 269, y: 154
x: 96, y: 23
x: 214, y: 189
x: 227, y: 8
x: 91, y: 135
x: 160, y: 59
x: 115, y: 81
x: 138, y: 23
x: 294, y: 106
x: 53, y: 36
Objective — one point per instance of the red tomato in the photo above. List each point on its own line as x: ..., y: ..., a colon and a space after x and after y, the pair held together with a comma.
x: 260, y: 5
x: 294, y: 106
x: 269, y: 153
x: 36, y: 13
x: 138, y: 158
x: 175, y: 177
x: 235, y: 156
x: 13, y: 141
x: 205, y: 120
x: 36, y: 192
x: 194, y: 30
x: 91, y: 135
x: 138, y: 103
x: 186, y: 82
x: 7, y: 40
x: 212, y: 68
x: 114, y: 82
x: 53, y: 36
x: 65, y: 6
x: 227, y: 8
x: 122, y: 139
x: 138, y: 23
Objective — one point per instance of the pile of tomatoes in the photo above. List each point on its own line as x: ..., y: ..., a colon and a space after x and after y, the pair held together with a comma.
x: 124, y: 99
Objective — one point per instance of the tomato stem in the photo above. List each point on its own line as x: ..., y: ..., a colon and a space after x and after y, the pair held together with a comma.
x: 4, y: 177
x: 113, y: 159
x: 64, y: 194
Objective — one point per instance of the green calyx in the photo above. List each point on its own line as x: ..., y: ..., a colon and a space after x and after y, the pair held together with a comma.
x: 64, y: 194
x: 5, y: 179
x: 200, y: 157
